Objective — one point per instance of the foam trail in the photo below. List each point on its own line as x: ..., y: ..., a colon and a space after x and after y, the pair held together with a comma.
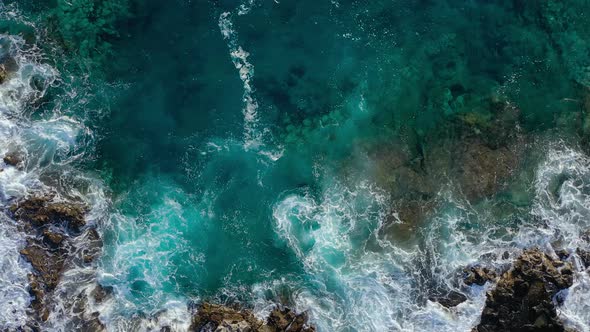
x: 239, y: 57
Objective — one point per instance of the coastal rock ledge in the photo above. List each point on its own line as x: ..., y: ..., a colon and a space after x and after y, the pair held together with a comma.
x: 213, y: 317
x: 523, y: 299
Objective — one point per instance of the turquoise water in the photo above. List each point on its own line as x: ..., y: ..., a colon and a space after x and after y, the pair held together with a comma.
x: 250, y: 151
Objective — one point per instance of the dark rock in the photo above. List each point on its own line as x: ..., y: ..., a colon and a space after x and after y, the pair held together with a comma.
x: 4, y: 72
x: 478, y: 275
x: 284, y: 319
x: 449, y: 300
x: 12, y: 158
x: 522, y: 300
x: 48, y: 264
x: 41, y: 211
x: 213, y: 317
x: 584, y: 256
x: 52, y: 238
x: 94, y: 324
x: 100, y: 293
x: 49, y: 225
x: 37, y: 291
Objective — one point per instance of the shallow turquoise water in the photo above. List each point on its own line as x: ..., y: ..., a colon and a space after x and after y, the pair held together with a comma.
x: 239, y: 141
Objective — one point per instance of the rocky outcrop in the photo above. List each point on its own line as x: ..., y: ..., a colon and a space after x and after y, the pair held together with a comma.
x: 12, y: 159
x: 213, y: 317
x: 8, y: 66
x: 478, y: 275
x: 523, y: 297
x: 51, y: 227
x: 43, y: 211
x: 450, y: 299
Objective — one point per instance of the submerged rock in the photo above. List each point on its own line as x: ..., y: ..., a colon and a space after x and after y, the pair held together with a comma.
x: 482, y: 170
x: 213, y: 317
x: 523, y: 298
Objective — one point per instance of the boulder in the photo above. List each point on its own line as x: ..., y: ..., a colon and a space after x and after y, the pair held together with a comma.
x: 523, y: 297
x: 12, y: 158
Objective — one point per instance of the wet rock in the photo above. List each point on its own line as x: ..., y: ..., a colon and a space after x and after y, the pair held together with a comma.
x: 46, y: 263
x: 51, y: 226
x: 284, y: 319
x: 7, y: 66
x: 3, y: 74
x: 37, y: 292
x: 100, y: 293
x: 213, y: 317
x: 53, y: 238
x: 94, y: 324
x: 42, y: 211
x: 478, y: 275
x: 522, y: 300
x: 12, y: 158
x: 584, y: 257
x: 449, y: 300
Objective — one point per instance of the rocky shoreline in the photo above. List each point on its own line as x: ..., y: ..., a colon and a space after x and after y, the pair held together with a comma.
x: 480, y: 154
x: 524, y: 298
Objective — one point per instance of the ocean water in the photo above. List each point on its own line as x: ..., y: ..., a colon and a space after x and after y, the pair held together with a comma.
x: 249, y: 152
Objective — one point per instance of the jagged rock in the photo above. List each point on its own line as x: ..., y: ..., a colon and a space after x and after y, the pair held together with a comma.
x: 41, y: 211
x: 3, y: 74
x: 584, y: 256
x: 11, y: 158
x: 50, y: 225
x: 449, y: 300
x: 522, y: 300
x: 100, y: 293
x: 213, y: 317
x: 478, y: 275
x: 8, y: 65
x: 48, y: 264
x: 53, y: 238
x: 287, y: 320
x: 93, y: 324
